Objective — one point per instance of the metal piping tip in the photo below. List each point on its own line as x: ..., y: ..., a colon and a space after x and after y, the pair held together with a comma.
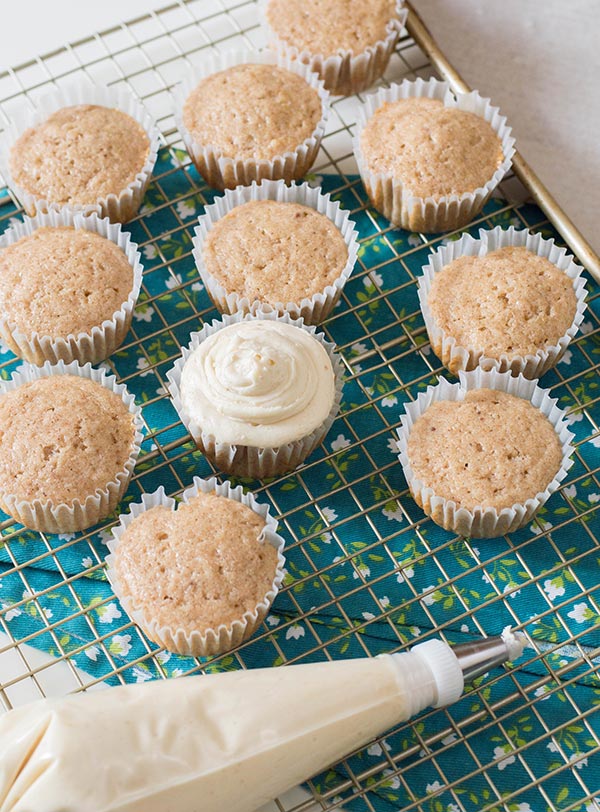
x: 479, y: 656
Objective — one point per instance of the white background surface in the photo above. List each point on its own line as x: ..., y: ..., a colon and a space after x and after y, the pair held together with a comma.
x: 540, y: 62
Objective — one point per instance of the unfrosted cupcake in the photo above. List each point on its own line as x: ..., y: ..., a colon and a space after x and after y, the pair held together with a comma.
x: 289, y: 248
x: 509, y: 300
x: 248, y: 116
x: 89, y: 148
x: 199, y: 576
x: 257, y: 393
x: 70, y: 439
x: 68, y: 287
x: 428, y: 159
x: 481, y: 456
x: 347, y: 42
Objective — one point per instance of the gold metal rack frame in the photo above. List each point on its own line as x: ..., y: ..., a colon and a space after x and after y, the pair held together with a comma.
x: 367, y: 572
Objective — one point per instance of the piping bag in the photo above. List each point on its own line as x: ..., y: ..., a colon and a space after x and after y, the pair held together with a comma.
x: 229, y: 741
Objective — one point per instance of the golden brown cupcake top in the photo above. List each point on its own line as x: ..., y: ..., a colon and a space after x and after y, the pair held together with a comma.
x: 432, y: 149
x: 79, y: 155
x: 491, y: 449
x: 508, y: 301
x: 62, y: 438
x: 252, y: 111
x: 272, y: 251
x: 62, y: 281
x: 197, y: 567
x: 327, y: 27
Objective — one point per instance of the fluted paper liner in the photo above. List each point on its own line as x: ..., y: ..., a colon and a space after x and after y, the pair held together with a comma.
x: 430, y: 214
x: 445, y: 346
x: 68, y: 517
x: 482, y: 522
x: 344, y: 73
x: 119, y: 207
x: 244, y: 460
x: 211, y: 641
x: 313, y: 309
x: 222, y: 172
x: 103, y: 339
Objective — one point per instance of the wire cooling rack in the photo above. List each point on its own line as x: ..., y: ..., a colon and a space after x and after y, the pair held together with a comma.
x: 366, y: 571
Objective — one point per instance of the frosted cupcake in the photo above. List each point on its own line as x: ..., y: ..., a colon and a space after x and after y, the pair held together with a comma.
x: 347, y: 42
x: 86, y: 147
x: 249, y: 115
x: 288, y: 248
x: 429, y: 160
x: 481, y: 456
x: 509, y: 300
x: 70, y: 439
x: 200, y: 576
x: 257, y: 393
x: 68, y: 287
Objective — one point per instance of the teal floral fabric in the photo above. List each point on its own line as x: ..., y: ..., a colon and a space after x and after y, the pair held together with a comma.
x: 366, y: 571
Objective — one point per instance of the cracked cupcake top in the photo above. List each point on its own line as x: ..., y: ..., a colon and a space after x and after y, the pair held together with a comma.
x: 252, y: 111
x: 272, y: 251
x: 491, y: 449
x: 62, y: 438
x: 79, y: 155
x: 510, y: 301
x: 432, y: 149
x: 197, y: 567
x: 62, y: 281
x: 326, y: 28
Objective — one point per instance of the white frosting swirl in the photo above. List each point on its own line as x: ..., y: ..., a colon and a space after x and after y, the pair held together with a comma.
x: 258, y: 383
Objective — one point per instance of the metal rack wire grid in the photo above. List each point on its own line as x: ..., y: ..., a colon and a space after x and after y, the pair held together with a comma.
x: 367, y: 572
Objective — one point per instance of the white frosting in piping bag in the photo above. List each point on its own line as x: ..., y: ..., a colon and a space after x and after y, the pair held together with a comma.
x: 258, y: 383
x: 222, y: 743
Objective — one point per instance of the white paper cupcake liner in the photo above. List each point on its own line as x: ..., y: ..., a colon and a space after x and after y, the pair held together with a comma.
x: 388, y: 194
x: 344, y: 73
x: 244, y: 460
x: 222, y: 172
x: 482, y: 522
x: 69, y: 517
x: 103, y: 339
x: 188, y: 642
x: 117, y: 207
x: 455, y: 357
x: 313, y: 309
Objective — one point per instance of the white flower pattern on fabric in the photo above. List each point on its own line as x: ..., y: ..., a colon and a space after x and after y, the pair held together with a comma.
x: 185, y: 209
x: 553, y: 589
x: 143, y: 367
x: 339, y: 443
x: 393, y: 513
x: 329, y: 514
x: 143, y: 313
x: 567, y: 358
x: 120, y: 645
x: 173, y: 281
x: 502, y: 751
x: 11, y: 614
x: 580, y: 612
x: 373, y: 278
x: 295, y: 632
x: 108, y: 613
